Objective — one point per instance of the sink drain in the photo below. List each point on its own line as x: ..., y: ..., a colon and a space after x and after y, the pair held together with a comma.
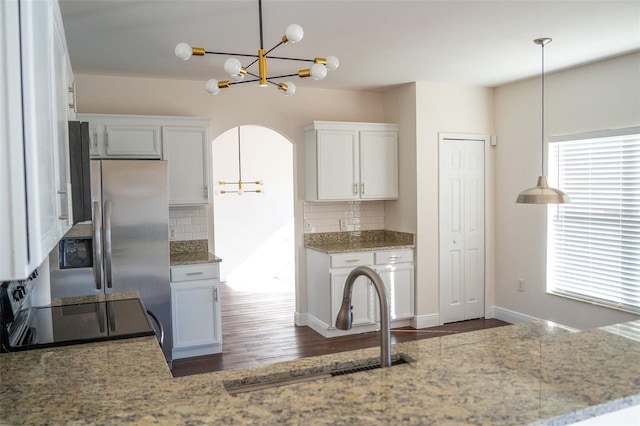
x: 250, y: 384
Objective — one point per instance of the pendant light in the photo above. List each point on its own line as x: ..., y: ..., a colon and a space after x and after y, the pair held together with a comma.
x: 542, y: 193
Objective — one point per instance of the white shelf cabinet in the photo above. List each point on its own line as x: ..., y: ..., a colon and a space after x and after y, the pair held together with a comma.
x: 326, y: 276
x: 34, y: 164
x: 195, y: 305
x: 351, y: 161
x: 186, y: 150
x: 182, y: 141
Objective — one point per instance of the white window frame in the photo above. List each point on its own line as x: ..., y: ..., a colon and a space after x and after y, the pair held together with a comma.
x: 593, y: 243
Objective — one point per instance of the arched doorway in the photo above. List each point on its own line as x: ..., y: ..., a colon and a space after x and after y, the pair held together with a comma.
x: 254, y: 232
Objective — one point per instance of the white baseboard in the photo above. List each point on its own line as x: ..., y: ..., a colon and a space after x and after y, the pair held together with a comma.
x: 300, y: 319
x: 512, y: 317
x: 425, y: 321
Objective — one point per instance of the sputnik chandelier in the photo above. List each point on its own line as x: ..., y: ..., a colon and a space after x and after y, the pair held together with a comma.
x: 237, y: 72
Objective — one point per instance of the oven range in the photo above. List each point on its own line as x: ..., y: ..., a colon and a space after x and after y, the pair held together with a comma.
x: 27, y: 327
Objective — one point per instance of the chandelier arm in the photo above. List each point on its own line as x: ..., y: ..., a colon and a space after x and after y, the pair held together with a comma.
x: 239, y: 162
x: 283, y: 76
x: 274, y: 48
x: 291, y: 59
x: 230, y: 54
x: 244, y: 81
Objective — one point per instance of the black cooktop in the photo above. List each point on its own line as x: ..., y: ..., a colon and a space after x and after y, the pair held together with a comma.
x: 84, y: 323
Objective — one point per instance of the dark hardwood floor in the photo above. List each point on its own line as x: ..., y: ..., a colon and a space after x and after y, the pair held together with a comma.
x: 257, y: 328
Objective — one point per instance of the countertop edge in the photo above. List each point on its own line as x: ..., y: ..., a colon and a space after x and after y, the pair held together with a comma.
x: 335, y: 250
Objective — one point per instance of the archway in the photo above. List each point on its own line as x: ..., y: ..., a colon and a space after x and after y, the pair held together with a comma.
x: 254, y: 232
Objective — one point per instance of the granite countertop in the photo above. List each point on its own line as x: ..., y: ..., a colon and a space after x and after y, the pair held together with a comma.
x: 515, y: 374
x: 190, y: 252
x: 345, y: 242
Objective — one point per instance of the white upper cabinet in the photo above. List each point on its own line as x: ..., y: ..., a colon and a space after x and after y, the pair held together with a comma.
x: 123, y: 137
x: 351, y: 161
x: 182, y: 141
x: 34, y: 76
x: 186, y: 150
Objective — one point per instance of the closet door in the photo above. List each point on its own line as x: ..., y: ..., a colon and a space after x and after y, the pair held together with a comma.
x: 462, y: 239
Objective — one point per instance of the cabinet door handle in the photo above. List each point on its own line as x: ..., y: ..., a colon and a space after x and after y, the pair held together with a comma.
x: 95, y: 139
x: 63, y: 217
x: 206, y: 192
x: 195, y: 273
x: 215, y: 294
x: 362, y: 188
x: 355, y: 189
x: 395, y: 257
x: 74, y: 102
x: 352, y: 260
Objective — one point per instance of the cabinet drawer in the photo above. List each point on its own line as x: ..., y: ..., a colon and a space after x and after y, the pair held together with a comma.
x: 204, y: 271
x: 351, y: 259
x: 394, y: 256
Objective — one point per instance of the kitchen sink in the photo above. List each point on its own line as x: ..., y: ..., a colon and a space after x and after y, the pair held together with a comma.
x: 250, y: 384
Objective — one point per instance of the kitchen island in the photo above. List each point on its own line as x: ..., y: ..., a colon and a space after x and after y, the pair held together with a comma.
x: 515, y: 374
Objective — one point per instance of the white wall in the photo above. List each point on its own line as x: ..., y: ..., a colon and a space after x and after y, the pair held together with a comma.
x: 424, y: 110
x: 241, y: 104
x: 253, y: 231
x: 599, y: 96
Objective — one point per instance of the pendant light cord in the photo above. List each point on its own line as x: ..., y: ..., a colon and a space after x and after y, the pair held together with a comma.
x: 542, y: 135
x: 239, y: 161
x: 260, y: 13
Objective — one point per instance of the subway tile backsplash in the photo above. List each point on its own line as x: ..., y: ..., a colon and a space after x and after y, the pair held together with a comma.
x: 343, y: 216
x: 187, y: 223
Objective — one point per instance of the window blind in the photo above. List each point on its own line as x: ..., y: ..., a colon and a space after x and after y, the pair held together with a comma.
x: 593, y: 244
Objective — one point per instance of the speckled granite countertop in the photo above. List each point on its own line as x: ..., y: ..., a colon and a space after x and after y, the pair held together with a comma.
x: 507, y: 375
x: 190, y: 252
x: 344, y: 242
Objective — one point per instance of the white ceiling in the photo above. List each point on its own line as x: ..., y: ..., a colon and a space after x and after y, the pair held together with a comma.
x: 379, y: 43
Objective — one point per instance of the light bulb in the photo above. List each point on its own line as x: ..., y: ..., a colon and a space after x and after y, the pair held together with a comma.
x: 232, y: 66
x: 332, y: 63
x: 183, y: 51
x: 289, y: 91
x: 212, y: 86
x: 238, y: 77
x: 240, y: 191
x: 318, y: 71
x: 294, y: 33
x: 216, y: 191
x: 261, y: 182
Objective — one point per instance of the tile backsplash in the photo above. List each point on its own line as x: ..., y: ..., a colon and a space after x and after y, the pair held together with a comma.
x: 343, y: 216
x: 187, y: 223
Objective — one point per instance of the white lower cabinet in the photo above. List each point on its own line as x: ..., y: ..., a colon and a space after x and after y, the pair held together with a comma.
x: 326, y: 276
x: 195, y: 306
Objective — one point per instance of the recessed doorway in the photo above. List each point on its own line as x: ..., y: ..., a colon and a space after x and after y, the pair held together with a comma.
x: 254, y: 226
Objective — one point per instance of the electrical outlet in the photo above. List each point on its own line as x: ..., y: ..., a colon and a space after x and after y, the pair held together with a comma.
x: 172, y: 233
x: 520, y: 284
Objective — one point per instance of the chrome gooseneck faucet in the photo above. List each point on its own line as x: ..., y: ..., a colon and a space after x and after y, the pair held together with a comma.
x: 343, y: 321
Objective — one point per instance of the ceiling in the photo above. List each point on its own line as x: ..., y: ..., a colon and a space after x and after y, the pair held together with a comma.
x: 380, y: 44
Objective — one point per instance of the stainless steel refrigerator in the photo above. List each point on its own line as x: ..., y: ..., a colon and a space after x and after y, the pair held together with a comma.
x: 127, y: 242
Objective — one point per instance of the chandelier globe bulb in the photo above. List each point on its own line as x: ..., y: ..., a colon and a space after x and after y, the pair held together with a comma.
x: 294, y: 33
x: 232, y: 66
x: 183, y: 51
x: 290, y: 90
x: 212, y: 86
x: 318, y: 71
x: 332, y: 63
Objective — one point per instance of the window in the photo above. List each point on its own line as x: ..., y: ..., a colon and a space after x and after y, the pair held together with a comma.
x: 593, y: 251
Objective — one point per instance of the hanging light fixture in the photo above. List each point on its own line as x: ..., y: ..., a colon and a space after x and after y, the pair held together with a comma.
x: 233, y: 67
x: 542, y: 193
x: 240, y: 183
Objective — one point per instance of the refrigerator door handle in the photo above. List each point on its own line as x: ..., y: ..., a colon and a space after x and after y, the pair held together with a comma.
x: 107, y: 243
x: 97, y: 244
